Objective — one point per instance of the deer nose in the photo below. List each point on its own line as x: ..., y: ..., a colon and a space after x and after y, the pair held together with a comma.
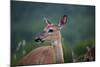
x: 38, y: 40
x: 39, y: 37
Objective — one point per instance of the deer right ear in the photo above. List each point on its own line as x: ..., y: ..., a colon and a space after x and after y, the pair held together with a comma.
x: 63, y: 21
x: 46, y: 21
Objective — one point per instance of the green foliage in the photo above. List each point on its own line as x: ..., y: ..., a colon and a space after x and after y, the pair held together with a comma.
x: 80, y: 47
x: 67, y: 54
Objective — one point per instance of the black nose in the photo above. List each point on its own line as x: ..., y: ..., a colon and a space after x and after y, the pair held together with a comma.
x: 38, y: 40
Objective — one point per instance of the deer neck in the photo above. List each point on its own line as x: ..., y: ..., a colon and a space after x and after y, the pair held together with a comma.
x: 57, y: 45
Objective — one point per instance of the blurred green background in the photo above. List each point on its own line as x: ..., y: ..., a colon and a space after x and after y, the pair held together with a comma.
x: 27, y: 21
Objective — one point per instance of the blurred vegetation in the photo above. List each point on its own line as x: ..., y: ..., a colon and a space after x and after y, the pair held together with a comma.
x: 79, y: 49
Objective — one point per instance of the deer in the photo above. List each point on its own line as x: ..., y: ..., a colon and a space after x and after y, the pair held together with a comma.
x: 51, y: 54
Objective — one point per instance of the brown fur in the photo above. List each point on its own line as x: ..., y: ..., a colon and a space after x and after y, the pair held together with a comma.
x: 41, y: 55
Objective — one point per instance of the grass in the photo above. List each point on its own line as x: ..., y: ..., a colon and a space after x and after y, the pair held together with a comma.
x: 79, y: 48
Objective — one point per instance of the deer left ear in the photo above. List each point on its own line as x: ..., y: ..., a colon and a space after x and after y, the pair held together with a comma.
x: 47, y: 21
x: 63, y: 21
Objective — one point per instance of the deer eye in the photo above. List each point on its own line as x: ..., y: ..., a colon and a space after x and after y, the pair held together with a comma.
x: 50, y: 30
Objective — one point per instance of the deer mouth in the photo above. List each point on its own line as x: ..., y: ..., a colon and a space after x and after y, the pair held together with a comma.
x: 41, y: 37
x: 39, y: 40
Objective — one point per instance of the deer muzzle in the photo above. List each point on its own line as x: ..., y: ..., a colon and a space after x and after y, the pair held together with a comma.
x: 40, y: 37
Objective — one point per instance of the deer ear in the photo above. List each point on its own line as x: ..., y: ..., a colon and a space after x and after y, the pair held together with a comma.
x: 63, y: 21
x: 46, y: 20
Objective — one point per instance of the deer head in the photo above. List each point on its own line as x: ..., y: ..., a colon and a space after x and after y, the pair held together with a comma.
x: 52, y: 32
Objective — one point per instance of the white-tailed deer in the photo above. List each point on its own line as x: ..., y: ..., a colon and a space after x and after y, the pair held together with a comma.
x: 47, y: 54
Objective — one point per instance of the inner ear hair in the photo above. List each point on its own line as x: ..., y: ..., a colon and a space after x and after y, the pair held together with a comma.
x: 63, y: 21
